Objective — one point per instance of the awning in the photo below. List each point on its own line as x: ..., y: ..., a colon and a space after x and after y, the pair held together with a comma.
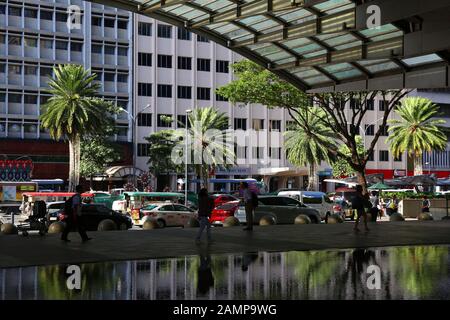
x: 323, y: 45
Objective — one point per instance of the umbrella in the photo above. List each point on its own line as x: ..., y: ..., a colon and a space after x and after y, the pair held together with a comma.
x: 379, y: 186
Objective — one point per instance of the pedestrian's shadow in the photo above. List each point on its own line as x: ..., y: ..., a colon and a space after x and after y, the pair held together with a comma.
x: 205, y: 278
x: 247, y: 259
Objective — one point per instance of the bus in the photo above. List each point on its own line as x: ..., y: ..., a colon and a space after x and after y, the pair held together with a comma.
x: 12, y: 191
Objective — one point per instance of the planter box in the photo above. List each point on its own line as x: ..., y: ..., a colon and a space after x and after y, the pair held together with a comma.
x: 411, y: 208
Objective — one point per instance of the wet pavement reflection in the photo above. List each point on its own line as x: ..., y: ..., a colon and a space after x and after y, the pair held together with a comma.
x: 420, y: 272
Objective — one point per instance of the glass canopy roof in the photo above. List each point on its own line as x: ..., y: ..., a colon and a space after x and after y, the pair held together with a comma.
x: 311, y: 43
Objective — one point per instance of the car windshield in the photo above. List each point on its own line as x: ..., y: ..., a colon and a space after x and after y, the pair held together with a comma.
x: 149, y: 207
x: 312, y: 200
x: 227, y: 206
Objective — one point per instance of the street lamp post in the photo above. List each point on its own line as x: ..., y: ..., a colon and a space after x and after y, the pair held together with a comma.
x: 134, y: 138
x: 188, y: 113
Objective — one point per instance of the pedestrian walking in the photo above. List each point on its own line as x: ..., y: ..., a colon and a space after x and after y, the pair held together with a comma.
x: 359, y: 202
x: 249, y: 205
x: 426, y: 204
x: 375, y: 210
x: 74, y: 219
x: 205, y: 208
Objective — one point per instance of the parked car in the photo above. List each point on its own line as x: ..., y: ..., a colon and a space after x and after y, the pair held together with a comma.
x: 93, y: 214
x: 316, y: 200
x: 223, y: 211
x: 166, y: 214
x: 220, y: 199
x: 53, y: 208
x: 6, y: 209
x: 283, y: 210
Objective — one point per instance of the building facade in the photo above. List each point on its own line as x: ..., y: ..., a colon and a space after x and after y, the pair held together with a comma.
x: 34, y: 37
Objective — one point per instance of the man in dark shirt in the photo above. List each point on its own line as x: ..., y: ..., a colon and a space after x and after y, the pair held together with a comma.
x: 205, y: 208
x: 359, y: 202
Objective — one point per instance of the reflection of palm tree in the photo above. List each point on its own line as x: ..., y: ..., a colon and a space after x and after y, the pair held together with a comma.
x: 418, y: 270
x: 95, y: 278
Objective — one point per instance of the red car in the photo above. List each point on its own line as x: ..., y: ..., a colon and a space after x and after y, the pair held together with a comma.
x: 220, y: 199
x: 224, y: 211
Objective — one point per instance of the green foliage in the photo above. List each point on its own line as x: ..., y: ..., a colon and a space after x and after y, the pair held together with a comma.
x: 161, y: 145
x: 417, y: 130
x: 74, y: 109
x: 411, y: 195
x: 254, y: 84
x: 340, y: 166
x: 309, y: 140
x: 97, y: 153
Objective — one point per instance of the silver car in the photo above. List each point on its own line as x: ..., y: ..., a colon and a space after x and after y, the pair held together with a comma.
x: 283, y: 210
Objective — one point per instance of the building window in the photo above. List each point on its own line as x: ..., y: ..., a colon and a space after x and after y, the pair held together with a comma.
x: 143, y: 149
x: 164, y: 61
x: 145, y: 59
x: 17, y: 41
x: 203, y: 93
x: 76, y: 46
x: 144, y: 119
x: 96, y: 21
x: 220, y: 98
x: 110, y: 50
x: 185, y: 63
x: 275, y: 125
x: 163, y: 120
x: 275, y: 153
x: 15, y: 11
x: 145, y: 29
x: 184, y: 92
x: 384, y: 155
x: 370, y: 130
x: 202, y: 39
x: 399, y: 158
x: 14, y: 69
x: 355, y: 104
x: 258, y: 124
x: 381, y: 105
x: 290, y: 125
x: 14, y: 98
x: 110, y: 23
x: 109, y: 77
x: 30, y: 70
x: 258, y: 152
x: 184, y: 34
x: 63, y: 45
x: 384, y: 130
x: 164, y: 91
x: 122, y: 51
x: 31, y: 13
x: 121, y: 77
x: 371, y: 156
x: 222, y: 66
x: 46, y: 15
x: 122, y: 24
x: 203, y: 65
x: 240, y: 123
x: 164, y: 31
x: 61, y: 16
x: 32, y: 42
x: 30, y: 99
x: 240, y: 152
x: 370, y: 104
x: 144, y: 89
x: 181, y: 121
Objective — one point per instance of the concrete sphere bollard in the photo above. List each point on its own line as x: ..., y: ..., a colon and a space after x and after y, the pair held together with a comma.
x: 8, y: 228
x: 302, y: 219
x: 334, y: 219
x: 150, y: 225
x: 231, y: 222
x: 396, y: 217
x: 56, y: 227
x: 193, y: 223
x: 267, y: 221
x: 107, y: 225
x: 425, y: 216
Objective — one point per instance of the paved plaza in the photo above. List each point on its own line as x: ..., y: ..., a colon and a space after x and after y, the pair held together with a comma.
x: 18, y: 251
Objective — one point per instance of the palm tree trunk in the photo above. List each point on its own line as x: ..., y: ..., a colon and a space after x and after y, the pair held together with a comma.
x: 74, y: 166
x: 71, y: 186
x: 418, y: 169
x: 204, y: 172
x: 312, y: 178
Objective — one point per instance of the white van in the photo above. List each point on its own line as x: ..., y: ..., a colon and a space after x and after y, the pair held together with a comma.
x: 313, y: 199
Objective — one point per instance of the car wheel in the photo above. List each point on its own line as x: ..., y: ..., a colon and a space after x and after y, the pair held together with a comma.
x: 314, y: 219
x: 161, y: 223
x: 25, y: 233
x: 123, y: 226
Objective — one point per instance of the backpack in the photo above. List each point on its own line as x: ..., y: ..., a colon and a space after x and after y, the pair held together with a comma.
x: 68, y: 207
x: 254, y: 200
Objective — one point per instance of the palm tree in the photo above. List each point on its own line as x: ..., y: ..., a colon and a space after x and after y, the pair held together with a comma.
x: 416, y: 131
x: 73, y: 111
x: 211, y: 141
x: 309, y: 141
